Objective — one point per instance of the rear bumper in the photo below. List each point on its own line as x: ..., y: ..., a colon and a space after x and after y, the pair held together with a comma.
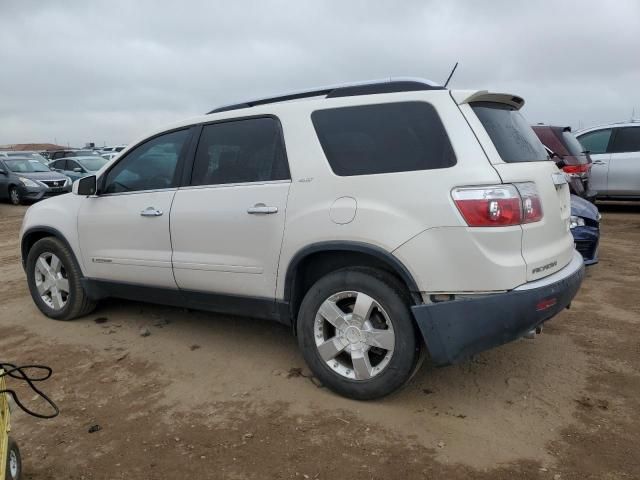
x: 455, y: 330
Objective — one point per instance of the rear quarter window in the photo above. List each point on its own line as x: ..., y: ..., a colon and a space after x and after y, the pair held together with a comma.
x: 510, y: 133
x: 384, y: 138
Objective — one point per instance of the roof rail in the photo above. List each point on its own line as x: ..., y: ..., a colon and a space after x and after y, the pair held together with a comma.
x: 390, y: 85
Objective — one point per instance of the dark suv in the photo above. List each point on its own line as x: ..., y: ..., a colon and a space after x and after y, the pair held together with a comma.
x: 563, y: 146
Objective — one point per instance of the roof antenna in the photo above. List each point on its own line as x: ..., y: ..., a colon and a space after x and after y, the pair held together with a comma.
x: 450, y: 75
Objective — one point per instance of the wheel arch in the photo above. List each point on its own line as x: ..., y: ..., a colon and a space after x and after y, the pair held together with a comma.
x: 32, y: 235
x: 319, y: 259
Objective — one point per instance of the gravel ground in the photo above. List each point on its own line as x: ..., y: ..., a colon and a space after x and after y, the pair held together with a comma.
x: 212, y: 396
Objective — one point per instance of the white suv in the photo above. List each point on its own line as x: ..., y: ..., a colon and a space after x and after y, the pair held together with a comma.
x: 379, y: 220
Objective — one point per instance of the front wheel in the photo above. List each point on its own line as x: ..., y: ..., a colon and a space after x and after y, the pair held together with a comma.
x: 54, y: 281
x: 356, y: 333
x: 14, y: 196
x: 13, y: 469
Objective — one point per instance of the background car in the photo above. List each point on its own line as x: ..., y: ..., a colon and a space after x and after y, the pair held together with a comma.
x: 585, y: 228
x: 577, y: 164
x: 23, y: 179
x: 109, y: 156
x: 31, y: 155
x: 615, y: 151
x: 78, y: 167
x: 116, y: 149
x: 55, y: 155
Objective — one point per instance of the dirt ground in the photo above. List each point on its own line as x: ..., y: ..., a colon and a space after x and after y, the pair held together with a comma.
x: 210, y: 396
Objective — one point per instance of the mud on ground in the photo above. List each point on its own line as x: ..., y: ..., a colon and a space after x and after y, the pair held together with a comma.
x: 213, y: 396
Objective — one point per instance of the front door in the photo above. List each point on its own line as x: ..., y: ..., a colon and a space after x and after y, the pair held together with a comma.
x: 596, y: 142
x: 624, y: 167
x: 124, y: 230
x: 227, y: 226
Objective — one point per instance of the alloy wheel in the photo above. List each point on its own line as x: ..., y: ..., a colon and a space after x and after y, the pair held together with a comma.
x: 15, y: 196
x: 51, y: 281
x: 354, y: 335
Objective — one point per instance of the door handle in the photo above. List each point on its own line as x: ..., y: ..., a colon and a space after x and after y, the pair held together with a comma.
x: 151, y: 212
x: 597, y: 162
x: 261, y: 208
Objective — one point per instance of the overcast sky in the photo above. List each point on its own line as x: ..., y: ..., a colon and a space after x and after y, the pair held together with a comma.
x: 77, y: 71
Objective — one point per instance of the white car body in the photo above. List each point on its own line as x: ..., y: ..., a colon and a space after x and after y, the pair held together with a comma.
x: 200, y: 239
x: 615, y: 171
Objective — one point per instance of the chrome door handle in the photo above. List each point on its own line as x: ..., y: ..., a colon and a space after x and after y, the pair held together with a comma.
x: 262, y: 208
x: 598, y: 162
x: 151, y: 212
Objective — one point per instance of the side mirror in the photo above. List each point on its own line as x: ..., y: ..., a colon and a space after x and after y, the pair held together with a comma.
x: 77, y: 170
x: 86, y: 186
x: 2, y: 172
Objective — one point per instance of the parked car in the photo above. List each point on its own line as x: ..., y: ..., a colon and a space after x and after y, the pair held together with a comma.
x: 377, y: 220
x: 30, y: 155
x: 57, y: 154
x: 585, y: 228
x: 78, y: 167
x: 563, y: 147
x: 615, y: 151
x: 109, y: 156
x: 116, y: 149
x: 24, y: 179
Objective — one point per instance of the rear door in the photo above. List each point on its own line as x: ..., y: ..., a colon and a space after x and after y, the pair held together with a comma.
x: 624, y: 165
x: 597, y: 142
x: 519, y: 158
x: 227, y: 224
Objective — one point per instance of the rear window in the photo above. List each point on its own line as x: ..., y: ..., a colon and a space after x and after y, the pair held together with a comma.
x: 512, y: 136
x: 386, y: 138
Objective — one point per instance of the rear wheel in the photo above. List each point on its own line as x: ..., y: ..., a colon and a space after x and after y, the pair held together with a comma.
x: 356, y: 333
x: 54, y: 281
x: 13, y: 469
x: 14, y: 196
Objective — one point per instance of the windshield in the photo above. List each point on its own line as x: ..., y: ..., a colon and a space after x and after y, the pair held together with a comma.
x: 93, y: 164
x: 572, y: 144
x: 31, y: 155
x: 25, y: 166
x: 511, y: 134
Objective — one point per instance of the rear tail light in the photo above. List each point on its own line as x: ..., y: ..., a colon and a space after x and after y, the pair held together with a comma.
x: 531, y: 205
x: 498, y: 205
x: 576, y: 169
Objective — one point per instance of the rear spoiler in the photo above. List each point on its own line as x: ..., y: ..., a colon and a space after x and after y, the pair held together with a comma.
x: 469, y: 96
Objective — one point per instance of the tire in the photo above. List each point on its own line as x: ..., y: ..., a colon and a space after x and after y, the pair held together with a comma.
x: 56, y: 303
x: 360, y: 370
x: 13, y: 469
x: 14, y: 196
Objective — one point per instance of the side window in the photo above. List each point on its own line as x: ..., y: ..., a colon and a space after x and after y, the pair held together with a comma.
x: 150, y: 166
x: 240, y: 151
x: 71, y: 164
x: 627, y: 139
x: 596, y: 142
x: 384, y: 138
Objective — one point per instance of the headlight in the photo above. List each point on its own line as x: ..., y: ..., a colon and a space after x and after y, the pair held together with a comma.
x: 28, y: 183
x: 576, y: 222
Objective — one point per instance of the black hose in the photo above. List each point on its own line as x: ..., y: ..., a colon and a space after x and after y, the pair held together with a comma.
x: 20, y: 373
